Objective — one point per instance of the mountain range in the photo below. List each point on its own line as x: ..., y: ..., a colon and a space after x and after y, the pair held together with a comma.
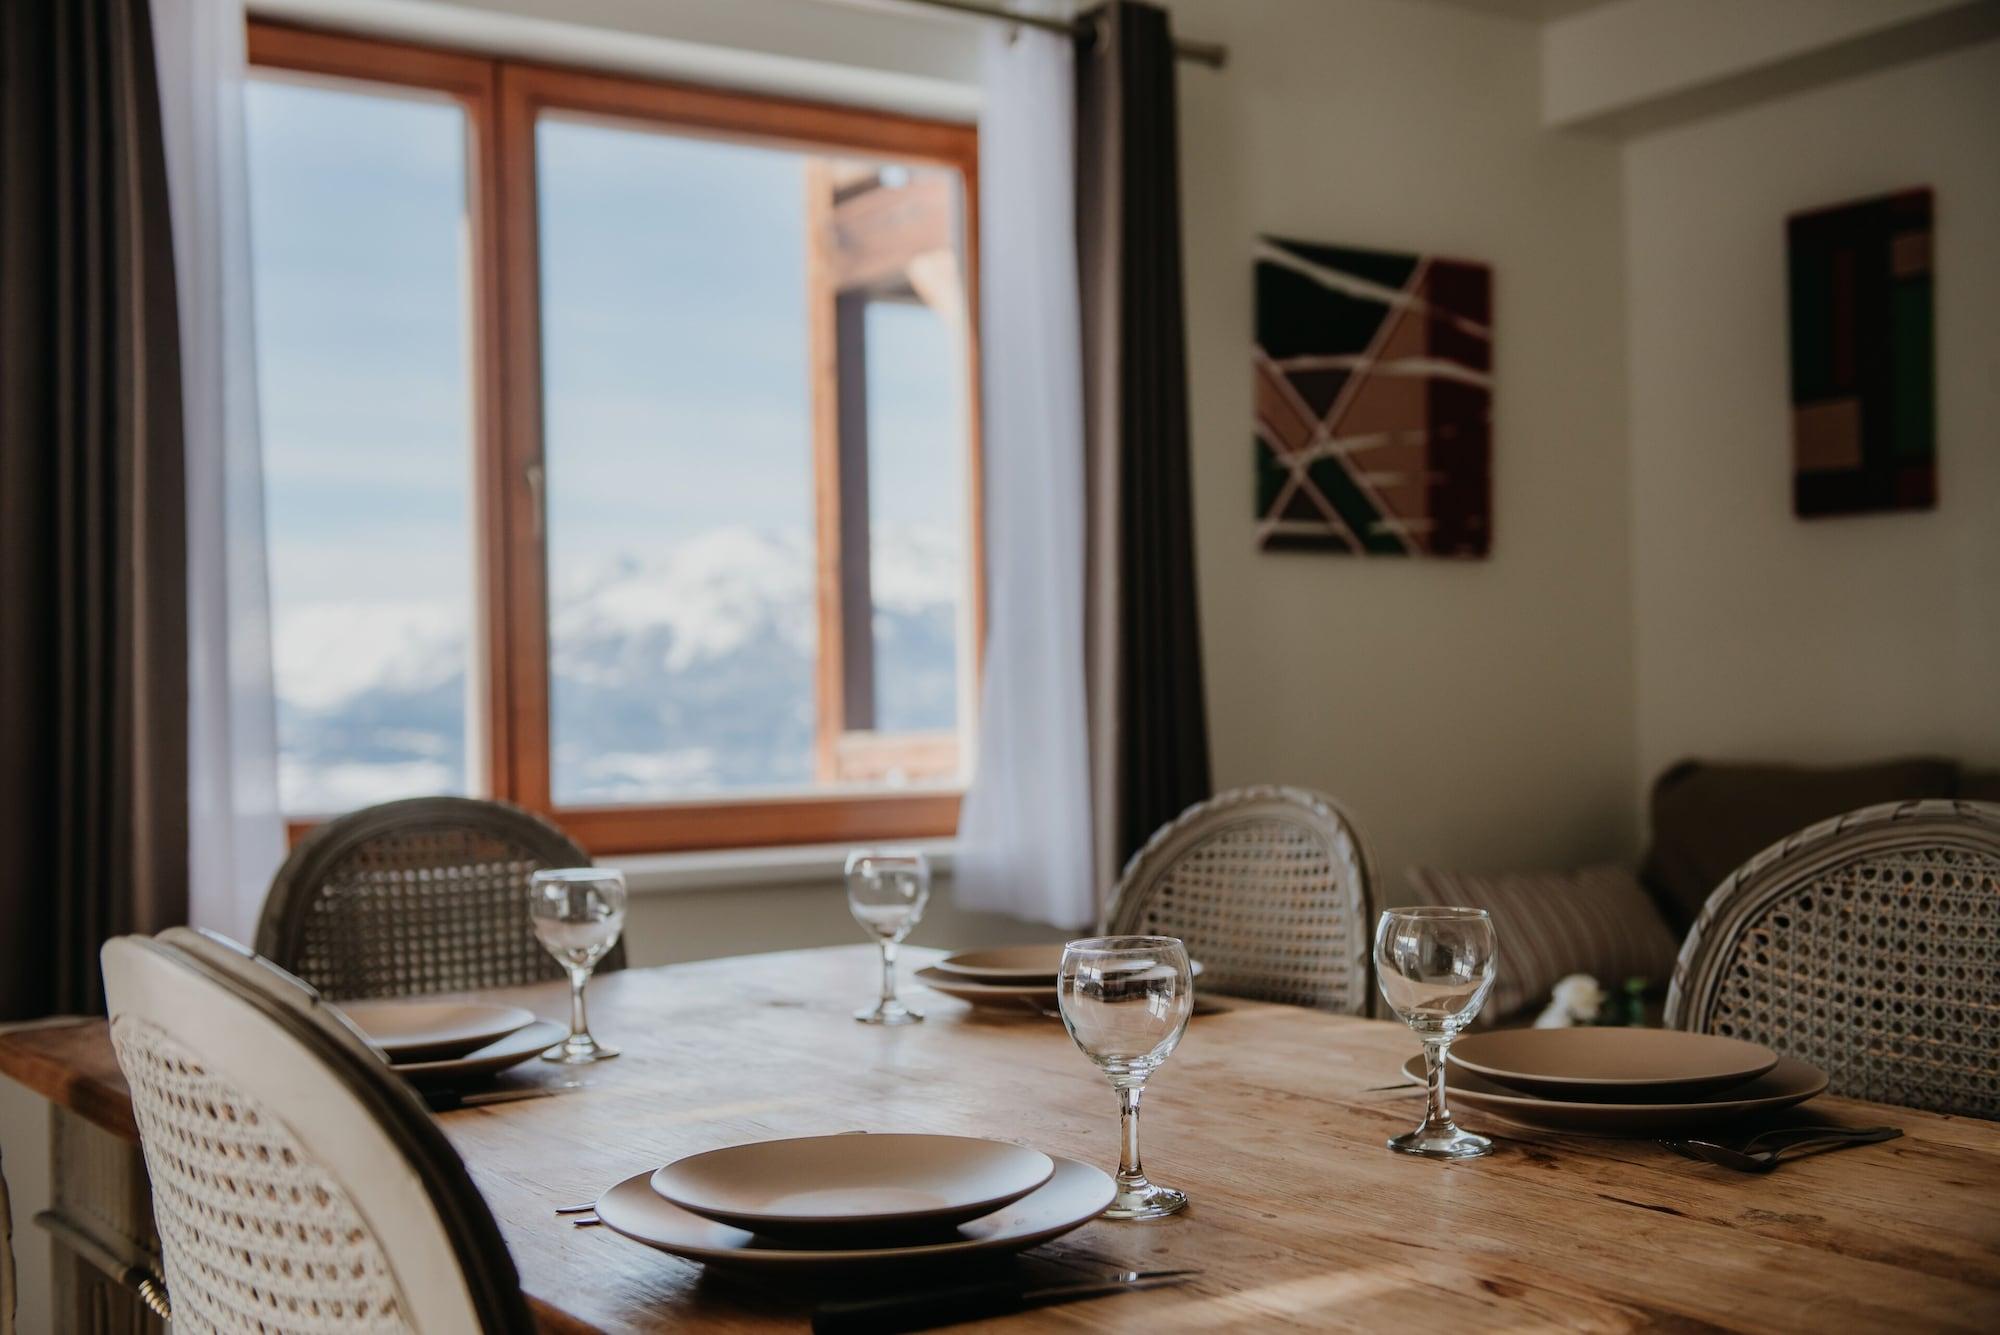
x: 672, y: 674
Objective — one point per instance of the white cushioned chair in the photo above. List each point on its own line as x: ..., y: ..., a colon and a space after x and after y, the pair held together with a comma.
x: 298, y: 1185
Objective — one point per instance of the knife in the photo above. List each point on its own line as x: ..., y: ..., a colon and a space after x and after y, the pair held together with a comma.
x: 971, y: 1302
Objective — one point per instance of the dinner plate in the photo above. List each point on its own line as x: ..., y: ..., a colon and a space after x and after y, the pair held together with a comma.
x: 1007, y: 996
x: 1787, y: 1083
x: 873, y: 1182
x: 417, y: 1031
x: 1604, y: 1064
x: 1021, y: 998
x: 1006, y: 964
x: 496, y: 1056
x: 1075, y: 1194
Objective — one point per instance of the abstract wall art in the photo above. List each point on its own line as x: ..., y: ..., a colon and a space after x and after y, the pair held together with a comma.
x: 1374, y: 397
x: 1863, y: 424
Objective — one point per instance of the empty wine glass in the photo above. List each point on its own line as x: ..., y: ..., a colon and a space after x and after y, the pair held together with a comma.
x: 887, y: 889
x: 578, y: 914
x: 1435, y: 965
x: 1126, y: 1002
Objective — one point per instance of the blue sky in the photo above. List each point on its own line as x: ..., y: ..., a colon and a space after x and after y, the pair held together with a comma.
x: 673, y: 340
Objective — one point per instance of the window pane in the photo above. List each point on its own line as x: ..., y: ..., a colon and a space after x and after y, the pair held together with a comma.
x: 359, y: 251
x: 916, y: 508
x: 679, y: 412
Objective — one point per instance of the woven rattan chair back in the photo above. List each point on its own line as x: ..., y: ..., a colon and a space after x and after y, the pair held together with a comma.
x: 1269, y: 887
x: 297, y: 1184
x: 425, y: 895
x: 10, y: 1294
x: 1868, y: 945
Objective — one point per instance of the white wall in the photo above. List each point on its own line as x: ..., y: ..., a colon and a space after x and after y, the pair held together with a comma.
x: 1472, y: 714
x: 1761, y: 635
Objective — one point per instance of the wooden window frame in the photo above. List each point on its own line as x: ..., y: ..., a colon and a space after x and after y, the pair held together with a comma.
x: 501, y: 100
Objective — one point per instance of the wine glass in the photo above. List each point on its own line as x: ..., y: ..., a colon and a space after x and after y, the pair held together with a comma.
x: 1125, y: 1001
x: 578, y: 913
x: 1435, y: 966
x: 887, y: 889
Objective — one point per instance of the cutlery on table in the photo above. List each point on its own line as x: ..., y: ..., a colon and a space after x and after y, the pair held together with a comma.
x: 450, y: 1100
x: 971, y: 1302
x: 1762, y: 1153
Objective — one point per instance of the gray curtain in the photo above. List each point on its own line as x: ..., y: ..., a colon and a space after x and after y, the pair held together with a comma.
x: 93, y: 616
x: 1149, y: 723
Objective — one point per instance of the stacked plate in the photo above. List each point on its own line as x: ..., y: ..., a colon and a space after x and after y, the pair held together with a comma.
x: 448, y: 1042
x: 826, y: 1202
x: 1008, y: 978
x: 1616, y: 1082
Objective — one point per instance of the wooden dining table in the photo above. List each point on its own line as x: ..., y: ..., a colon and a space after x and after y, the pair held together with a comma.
x: 1272, y: 1118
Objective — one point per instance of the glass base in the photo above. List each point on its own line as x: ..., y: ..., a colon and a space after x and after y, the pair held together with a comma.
x: 1441, y: 1142
x: 578, y: 1050
x: 1146, y: 1202
x: 888, y: 1012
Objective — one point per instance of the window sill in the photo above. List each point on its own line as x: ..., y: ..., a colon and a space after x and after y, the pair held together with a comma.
x: 753, y: 868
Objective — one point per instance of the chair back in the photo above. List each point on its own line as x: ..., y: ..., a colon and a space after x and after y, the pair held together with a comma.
x: 1868, y: 945
x: 1269, y: 887
x: 424, y: 895
x: 298, y: 1184
x: 9, y: 1291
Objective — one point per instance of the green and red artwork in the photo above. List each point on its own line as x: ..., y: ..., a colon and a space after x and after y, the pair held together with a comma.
x: 1374, y: 396
x: 1863, y: 426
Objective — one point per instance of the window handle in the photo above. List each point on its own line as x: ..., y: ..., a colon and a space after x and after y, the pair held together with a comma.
x: 532, y: 475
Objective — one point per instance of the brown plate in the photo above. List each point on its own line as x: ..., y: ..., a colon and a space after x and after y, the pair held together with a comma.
x: 1030, y: 997
x: 422, y: 1031
x: 1006, y: 964
x: 873, y: 1182
x: 495, y: 1057
x: 972, y: 967
x: 1785, y: 1084
x: 1604, y: 1064
x: 1074, y: 1195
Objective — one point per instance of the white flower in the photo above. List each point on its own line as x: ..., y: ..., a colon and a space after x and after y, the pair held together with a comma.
x: 1555, y: 1017
x: 1579, y: 996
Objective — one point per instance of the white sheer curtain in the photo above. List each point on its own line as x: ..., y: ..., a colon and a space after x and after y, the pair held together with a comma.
x: 236, y: 834
x: 1024, y: 838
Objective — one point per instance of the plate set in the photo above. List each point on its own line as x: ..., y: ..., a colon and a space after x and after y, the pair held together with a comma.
x: 443, y: 1042
x: 856, y: 1200
x: 1618, y: 1081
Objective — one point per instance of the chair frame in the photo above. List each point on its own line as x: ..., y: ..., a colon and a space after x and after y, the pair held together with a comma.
x: 300, y: 882
x: 1147, y: 869
x: 1739, y: 904
x: 276, y: 1045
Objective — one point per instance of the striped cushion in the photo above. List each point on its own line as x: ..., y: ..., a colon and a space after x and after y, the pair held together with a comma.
x: 1598, y: 921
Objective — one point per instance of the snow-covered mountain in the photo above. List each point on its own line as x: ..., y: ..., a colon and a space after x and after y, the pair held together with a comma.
x: 685, y: 673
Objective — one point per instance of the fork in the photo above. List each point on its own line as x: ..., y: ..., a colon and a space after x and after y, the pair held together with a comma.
x: 1763, y: 1152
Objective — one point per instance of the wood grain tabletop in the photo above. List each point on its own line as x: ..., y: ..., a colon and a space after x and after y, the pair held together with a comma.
x: 1269, y: 1116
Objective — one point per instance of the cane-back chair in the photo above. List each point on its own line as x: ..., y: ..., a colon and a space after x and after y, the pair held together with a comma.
x: 1868, y: 945
x: 298, y: 1184
x: 1269, y: 887
x: 424, y: 895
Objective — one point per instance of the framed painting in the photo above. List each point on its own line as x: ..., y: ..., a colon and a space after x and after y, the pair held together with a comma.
x: 1374, y: 401
x: 1863, y: 381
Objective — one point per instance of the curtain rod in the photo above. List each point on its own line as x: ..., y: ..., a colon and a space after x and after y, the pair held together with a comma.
x: 1212, y: 54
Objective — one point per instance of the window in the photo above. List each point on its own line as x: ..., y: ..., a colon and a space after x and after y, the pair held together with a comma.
x: 621, y: 447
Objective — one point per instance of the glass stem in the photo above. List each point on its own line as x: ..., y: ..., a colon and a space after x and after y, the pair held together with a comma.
x: 888, y: 974
x: 579, y: 1023
x: 1130, y: 1172
x: 1436, y: 1115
